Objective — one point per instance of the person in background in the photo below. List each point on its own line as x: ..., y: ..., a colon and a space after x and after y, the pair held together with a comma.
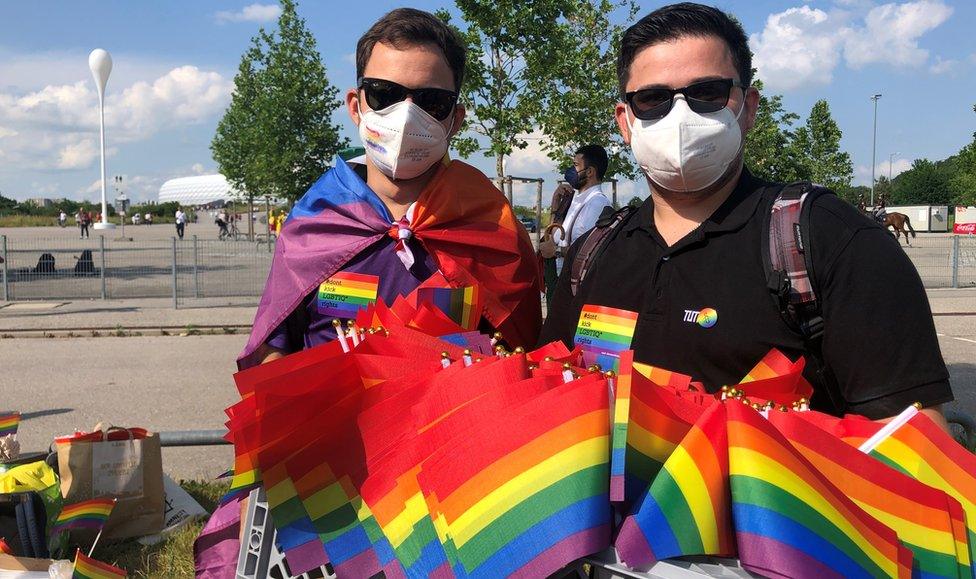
x: 180, y: 222
x: 85, y: 223
x: 586, y: 177
x: 62, y: 218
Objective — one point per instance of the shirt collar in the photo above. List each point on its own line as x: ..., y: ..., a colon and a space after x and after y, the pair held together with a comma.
x: 732, y: 214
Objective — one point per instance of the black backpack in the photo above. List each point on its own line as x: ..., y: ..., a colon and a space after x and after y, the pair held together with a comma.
x: 788, y: 266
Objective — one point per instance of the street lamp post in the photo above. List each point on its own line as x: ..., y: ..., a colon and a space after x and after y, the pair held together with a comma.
x: 874, y: 145
x: 890, y: 157
x: 100, y: 63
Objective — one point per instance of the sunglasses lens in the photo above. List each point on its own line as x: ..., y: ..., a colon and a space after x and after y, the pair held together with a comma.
x: 380, y: 94
x: 437, y: 102
x: 650, y: 104
x: 709, y: 96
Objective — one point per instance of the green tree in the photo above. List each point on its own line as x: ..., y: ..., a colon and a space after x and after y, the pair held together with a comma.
x: 277, y: 136
x: 962, y: 181
x: 507, y: 43
x: 817, y: 147
x: 576, y: 102
x: 925, y: 183
x: 769, y: 150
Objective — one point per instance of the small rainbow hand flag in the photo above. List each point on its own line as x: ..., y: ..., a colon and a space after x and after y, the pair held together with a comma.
x: 9, y: 421
x: 5, y: 548
x: 88, y: 568
x: 90, y: 514
x: 463, y: 305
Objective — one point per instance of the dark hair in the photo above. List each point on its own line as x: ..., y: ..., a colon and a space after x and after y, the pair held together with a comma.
x: 594, y: 156
x: 685, y: 19
x: 408, y: 27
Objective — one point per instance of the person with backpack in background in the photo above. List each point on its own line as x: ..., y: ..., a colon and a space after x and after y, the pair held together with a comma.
x: 720, y: 266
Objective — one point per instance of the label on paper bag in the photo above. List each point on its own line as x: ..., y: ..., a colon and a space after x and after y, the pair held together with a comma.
x: 345, y: 293
x: 117, y: 469
x: 603, y: 333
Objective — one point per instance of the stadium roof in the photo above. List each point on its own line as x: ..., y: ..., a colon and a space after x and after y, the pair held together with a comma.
x: 198, y: 190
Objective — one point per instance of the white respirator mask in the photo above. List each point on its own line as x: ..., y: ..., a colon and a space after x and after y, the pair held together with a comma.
x: 686, y: 151
x: 403, y: 140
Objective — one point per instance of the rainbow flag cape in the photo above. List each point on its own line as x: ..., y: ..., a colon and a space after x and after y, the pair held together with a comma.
x: 924, y: 518
x: 88, y: 568
x: 528, y: 495
x: 790, y: 521
x: 90, y: 514
x: 924, y: 451
x: 9, y: 421
x: 461, y: 219
x: 686, y: 509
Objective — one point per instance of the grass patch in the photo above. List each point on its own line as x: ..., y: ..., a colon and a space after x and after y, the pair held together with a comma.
x: 30, y: 221
x: 173, y: 556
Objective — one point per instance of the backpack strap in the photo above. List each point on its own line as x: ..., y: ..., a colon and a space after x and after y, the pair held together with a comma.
x: 790, y: 276
x: 595, y: 243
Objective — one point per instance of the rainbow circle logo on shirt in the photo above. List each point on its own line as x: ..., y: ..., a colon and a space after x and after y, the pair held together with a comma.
x: 707, y: 318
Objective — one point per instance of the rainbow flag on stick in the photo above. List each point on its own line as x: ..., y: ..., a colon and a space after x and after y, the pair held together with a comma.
x: 88, y: 568
x: 686, y: 509
x: 5, y: 548
x: 90, y: 514
x: 462, y: 305
x: 9, y: 421
x: 924, y: 451
x: 923, y: 517
x: 790, y: 521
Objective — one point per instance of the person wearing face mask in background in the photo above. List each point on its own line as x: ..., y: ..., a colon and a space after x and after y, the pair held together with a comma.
x: 407, y: 213
x: 585, y: 176
x: 689, y: 261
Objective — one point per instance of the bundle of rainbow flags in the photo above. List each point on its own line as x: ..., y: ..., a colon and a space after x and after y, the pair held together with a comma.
x: 415, y: 456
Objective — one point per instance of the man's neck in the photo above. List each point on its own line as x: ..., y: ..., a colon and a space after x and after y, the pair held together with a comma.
x: 397, y: 195
x: 677, y: 214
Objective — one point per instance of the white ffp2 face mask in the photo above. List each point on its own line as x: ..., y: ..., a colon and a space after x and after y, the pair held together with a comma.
x: 686, y: 151
x: 402, y: 140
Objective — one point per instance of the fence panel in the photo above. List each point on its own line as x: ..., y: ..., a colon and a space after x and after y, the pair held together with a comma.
x: 209, y: 268
x: 967, y: 260
x: 932, y: 256
x: 53, y: 268
x: 138, y: 269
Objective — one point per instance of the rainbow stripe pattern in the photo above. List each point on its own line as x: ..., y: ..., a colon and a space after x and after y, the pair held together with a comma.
x: 686, y: 508
x: 603, y: 333
x: 345, y: 293
x: 924, y: 518
x: 530, y: 495
x: 90, y: 514
x: 88, y: 568
x: 9, y: 421
x: 462, y: 305
x: 923, y: 450
x: 788, y: 517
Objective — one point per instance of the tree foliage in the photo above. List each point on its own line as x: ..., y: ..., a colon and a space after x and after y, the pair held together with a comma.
x: 817, y: 147
x: 769, y: 150
x: 277, y: 136
x: 576, y: 102
x: 927, y: 183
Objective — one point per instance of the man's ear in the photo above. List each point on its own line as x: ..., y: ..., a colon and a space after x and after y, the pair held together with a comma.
x: 459, y: 113
x: 620, y: 113
x: 352, y: 105
x: 752, y: 106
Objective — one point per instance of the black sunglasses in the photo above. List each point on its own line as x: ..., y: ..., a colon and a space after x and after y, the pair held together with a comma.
x: 708, y: 96
x: 437, y: 102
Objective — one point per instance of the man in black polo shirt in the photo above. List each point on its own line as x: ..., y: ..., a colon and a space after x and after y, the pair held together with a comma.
x: 695, y: 244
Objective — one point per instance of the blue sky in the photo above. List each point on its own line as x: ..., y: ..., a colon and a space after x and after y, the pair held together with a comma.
x: 175, y: 62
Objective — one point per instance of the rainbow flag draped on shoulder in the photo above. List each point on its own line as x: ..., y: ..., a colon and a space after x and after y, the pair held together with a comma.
x: 460, y: 218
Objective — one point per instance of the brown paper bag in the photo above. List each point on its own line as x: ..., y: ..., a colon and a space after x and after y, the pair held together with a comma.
x: 116, y: 462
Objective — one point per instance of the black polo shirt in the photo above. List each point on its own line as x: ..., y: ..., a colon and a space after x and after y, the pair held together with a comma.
x: 879, y: 338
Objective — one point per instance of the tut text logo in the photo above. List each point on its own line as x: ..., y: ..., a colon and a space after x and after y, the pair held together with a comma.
x: 705, y: 318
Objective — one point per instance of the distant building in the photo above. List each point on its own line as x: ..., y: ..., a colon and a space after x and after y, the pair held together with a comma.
x: 42, y: 202
x: 199, y: 190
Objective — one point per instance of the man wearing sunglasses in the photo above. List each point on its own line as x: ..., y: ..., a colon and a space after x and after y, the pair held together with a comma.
x: 689, y: 262
x: 410, y: 212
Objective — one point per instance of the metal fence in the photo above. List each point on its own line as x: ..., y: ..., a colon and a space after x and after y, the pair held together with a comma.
x: 99, y: 267
x: 191, y: 268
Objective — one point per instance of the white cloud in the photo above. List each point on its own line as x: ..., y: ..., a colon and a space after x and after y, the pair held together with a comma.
x: 798, y: 47
x: 349, y: 58
x: 802, y: 46
x: 862, y: 173
x: 531, y: 161
x: 941, y: 66
x: 56, y: 127
x: 250, y: 13
x: 198, y: 169
x: 892, y: 31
